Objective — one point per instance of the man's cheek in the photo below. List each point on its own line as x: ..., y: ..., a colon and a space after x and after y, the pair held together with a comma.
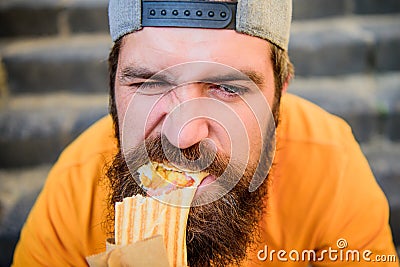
x: 253, y: 130
x: 140, y: 117
x: 255, y: 137
x: 122, y: 99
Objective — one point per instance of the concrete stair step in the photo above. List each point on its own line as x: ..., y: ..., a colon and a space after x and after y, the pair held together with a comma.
x: 369, y: 103
x: 52, y: 17
x: 327, y: 48
x: 312, y: 9
x: 339, y: 46
x: 383, y: 157
x: 75, y: 64
x: 398, y: 253
x: 18, y: 191
x: 35, y: 129
x: 376, y: 6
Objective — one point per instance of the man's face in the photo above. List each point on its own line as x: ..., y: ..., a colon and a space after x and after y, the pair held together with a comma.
x: 152, y: 50
x: 219, y: 86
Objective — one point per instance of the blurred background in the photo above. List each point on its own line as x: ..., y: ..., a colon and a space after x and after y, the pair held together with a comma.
x: 53, y: 85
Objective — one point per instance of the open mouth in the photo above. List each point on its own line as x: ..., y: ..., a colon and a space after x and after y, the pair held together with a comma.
x: 209, y: 179
x: 161, y: 178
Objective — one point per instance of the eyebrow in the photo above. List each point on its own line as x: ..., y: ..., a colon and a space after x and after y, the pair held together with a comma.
x: 130, y: 72
x: 136, y: 72
x: 254, y: 76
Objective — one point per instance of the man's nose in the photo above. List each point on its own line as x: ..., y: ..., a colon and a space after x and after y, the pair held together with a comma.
x: 184, y: 125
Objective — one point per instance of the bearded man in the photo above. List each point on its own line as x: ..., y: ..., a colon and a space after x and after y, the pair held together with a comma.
x: 202, y: 86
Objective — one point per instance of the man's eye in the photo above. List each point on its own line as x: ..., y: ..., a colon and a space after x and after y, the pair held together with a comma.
x: 227, y: 90
x: 151, y: 87
x: 231, y: 89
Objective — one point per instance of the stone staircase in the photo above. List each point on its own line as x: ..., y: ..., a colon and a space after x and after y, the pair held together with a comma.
x: 53, y: 84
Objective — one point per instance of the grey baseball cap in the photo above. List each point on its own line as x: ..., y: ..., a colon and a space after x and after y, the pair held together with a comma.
x: 266, y: 19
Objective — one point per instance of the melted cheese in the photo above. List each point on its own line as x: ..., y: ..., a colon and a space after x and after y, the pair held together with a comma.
x: 157, y: 176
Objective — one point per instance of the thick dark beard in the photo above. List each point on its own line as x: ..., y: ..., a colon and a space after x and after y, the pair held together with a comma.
x: 219, y: 233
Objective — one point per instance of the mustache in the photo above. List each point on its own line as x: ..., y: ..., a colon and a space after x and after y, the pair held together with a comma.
x: 201, y: 156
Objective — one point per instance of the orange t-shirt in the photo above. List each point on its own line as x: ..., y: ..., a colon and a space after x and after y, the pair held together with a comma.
x: 321, y: 190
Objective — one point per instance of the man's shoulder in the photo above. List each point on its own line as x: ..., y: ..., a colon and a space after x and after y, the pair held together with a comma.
x: 97, y: 141
x: 303, y: 121
x: 69, y: 211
